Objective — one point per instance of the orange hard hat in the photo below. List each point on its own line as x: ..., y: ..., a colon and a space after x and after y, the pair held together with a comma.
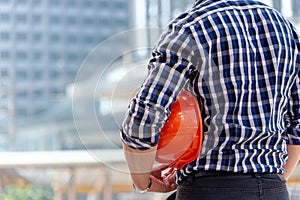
x: 181, y: 137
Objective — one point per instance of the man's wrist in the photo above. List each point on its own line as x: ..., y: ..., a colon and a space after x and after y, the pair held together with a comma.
x: 141, y: 191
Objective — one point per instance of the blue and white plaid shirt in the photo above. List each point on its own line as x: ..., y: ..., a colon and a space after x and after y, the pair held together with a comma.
x: 241, y: 59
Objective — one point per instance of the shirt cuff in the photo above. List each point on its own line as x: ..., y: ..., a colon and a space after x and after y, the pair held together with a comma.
x: 134, y: 143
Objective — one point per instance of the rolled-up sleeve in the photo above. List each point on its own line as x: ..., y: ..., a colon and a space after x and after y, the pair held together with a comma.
x: 169, y: 69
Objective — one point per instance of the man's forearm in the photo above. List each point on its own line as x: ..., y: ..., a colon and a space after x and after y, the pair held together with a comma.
x: 293, y: 159
x: 140, y: 165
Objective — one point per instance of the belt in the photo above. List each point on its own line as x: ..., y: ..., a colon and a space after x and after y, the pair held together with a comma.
x: 200, y: 174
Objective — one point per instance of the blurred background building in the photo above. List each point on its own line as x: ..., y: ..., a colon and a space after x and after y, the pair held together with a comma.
x: 42, y: 44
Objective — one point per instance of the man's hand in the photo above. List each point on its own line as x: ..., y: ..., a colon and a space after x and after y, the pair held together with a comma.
x: 163, y: 179
x: 140, y: 166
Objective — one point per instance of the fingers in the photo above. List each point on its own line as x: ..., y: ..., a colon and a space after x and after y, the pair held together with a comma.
x: 169, y: 179
x: 157, y: 170
x: 163, y: 179
x: 164, y: 185
x: 169, y: 172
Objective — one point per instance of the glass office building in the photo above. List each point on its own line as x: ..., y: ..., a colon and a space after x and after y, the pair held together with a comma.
x: 42, y: 44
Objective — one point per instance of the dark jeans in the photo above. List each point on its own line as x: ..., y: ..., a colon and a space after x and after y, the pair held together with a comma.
x: 230, y: 186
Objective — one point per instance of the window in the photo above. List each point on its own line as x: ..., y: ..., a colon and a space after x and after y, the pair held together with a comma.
x: 4, y: 36
x: 120, y: 5
x: 4, y: 17
x: 5, y: 55
x: 71, y: 74
x: 87, y: 21
x: 21, y: 55
x: 54, y: 20
x: 21, y: 74
x: 54, y: 38
x: 88, y: 3
x: 38, y: 93
x: 103, y: 22
x: 38, y: 75
x: 4, y: 72
x: 71, y: 3
x: 21, y: 37
x: 22, y: 94
x: 54, y: 56
x: 55, y: 92
x: 120, y: 22
x: 72, y: 57
x: 36, y: 2
x: 54, y: 3
x: 36, y: 19
x: 38, y: 111
x: 22, y: 2
x: 21, y: 18
x: 71, y: 39
x: 4, y: 108
x: 3, y: 96
x: 71, y: 21
x: 88, y: 39
x: 103, y: 4
x: 37, y: 56
x: 37, y: 37
x: 54, y: 74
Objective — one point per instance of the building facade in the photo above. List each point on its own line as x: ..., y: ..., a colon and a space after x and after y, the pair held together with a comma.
x: 42, y: 44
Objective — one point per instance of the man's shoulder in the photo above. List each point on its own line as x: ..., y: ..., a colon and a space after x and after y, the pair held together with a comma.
x: 204, y: 9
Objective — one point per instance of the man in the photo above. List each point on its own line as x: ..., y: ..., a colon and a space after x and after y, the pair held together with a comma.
x: 241, y: 59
